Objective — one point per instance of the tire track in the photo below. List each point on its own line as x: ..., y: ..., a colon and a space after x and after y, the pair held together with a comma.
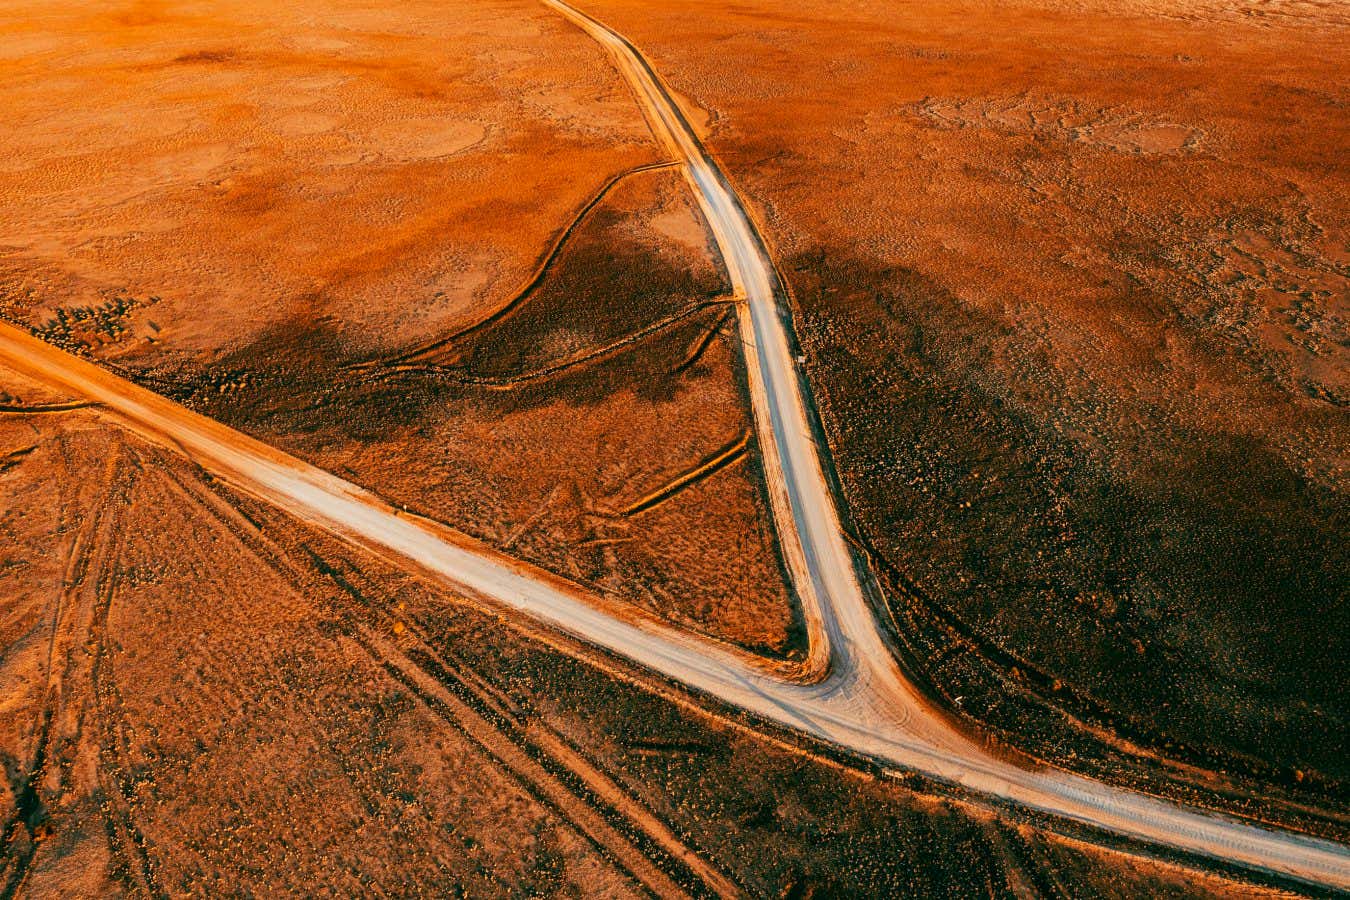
x: 727, y: 454
x: 46, y: 408
x: 231, y: 523
x: 1026, y: 865
x: 527, y: 770
x: 31, y: 817
x: 859, y: 708
x: 856, y: 698
x: 536, y: 279
x: 133, y: 863
x: 1092, y: 717
x: 509, y: 382
x: 826, y: 572
x: 540, y: 760
x: 76, y: 718
x: 701, y: 347
x: 12, y: 459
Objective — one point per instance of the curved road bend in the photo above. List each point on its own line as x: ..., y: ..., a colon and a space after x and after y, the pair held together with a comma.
x: 863, y: 703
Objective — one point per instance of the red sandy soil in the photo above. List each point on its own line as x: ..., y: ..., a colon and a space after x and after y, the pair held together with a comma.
x: 250, y: 165
x: 1057, y: 306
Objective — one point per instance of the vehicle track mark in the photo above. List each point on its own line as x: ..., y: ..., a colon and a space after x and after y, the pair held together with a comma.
x: 495, y: 725
x: 536, y: 279
x: 33, y: 806
x: 1026, y: 867
x: 1084, y: 711
x: 248, y: 537
x: 724, y: 456
x: 462, y: 375
x: 559, y: 774
x: 12, y: 459
x: 528, y: 772
x: 701, y: 346
x: 133, y: 861
x: 46, y: 408
x: 862, y: 703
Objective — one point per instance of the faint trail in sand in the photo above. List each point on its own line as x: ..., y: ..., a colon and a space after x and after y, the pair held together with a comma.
x: 539, y: 759
x: 460, y: 375
x: 44, y: 408
x: 720, y: 459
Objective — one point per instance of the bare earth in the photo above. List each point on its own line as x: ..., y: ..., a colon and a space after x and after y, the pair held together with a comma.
x: 1070, y: 285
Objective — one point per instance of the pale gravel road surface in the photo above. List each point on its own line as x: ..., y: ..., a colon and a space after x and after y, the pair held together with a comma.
x: 860, y: 701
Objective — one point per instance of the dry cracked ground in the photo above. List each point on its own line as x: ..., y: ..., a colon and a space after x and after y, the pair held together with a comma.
x: 1070, y: 279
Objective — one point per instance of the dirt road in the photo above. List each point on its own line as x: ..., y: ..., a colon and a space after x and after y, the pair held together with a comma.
x: 864, y: 678
x: 858, y: 698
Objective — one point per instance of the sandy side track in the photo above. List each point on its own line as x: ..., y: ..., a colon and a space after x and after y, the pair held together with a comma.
x: 863, y: 703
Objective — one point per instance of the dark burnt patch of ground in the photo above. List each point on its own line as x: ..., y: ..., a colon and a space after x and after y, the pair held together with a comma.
x: 1052, y: 544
